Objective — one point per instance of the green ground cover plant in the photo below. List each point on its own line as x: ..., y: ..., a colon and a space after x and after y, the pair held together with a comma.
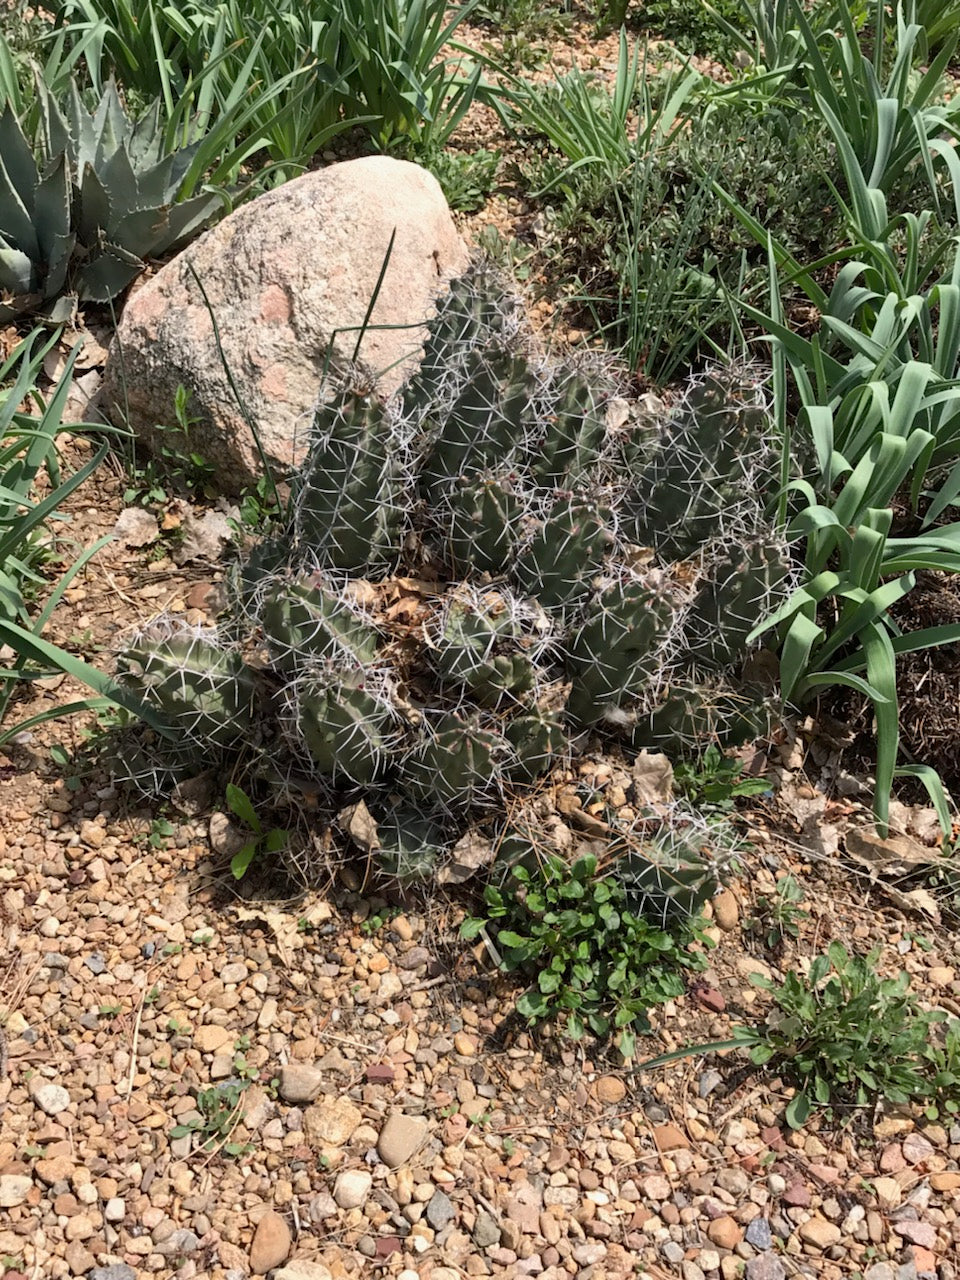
x: 598, y: 965
x: 847, y: 1036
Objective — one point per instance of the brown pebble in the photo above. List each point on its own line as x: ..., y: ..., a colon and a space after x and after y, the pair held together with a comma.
x: 726, y: 911
x: 669, y: 1138
x: 725, y: 1232
x: 271, y: 1243
x: 610, y: 1090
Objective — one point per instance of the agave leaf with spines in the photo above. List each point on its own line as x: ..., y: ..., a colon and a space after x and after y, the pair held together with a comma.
x: 84, y: 207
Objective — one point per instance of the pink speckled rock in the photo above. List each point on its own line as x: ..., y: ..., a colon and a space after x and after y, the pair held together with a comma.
x: 282, y: 273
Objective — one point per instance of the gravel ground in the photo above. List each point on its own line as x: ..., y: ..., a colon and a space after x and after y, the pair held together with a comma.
x: 195, y: 1084
x: 388, y: 1118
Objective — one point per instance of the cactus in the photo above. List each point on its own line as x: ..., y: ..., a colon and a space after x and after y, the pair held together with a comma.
x: 410, y: 847
x: 668, y: 866
x: 712, y: 473
x: 481, y: 647
x: 476, y: 576
x: 613, y: 654
x: 573, y: 437
x: 203, y: 688
x: 301, y: 622
x: 458, y: 763
x: 558, y: 566
x: 486, y: 424
x: 738, y: 586
x: 350, y: 497
x: 345, y: 723
x: 537, y: 739
x: 481, y: 531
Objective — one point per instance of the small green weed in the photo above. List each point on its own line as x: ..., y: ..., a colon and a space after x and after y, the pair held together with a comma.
x: 219, y: 1111
x: 525, y: 29
x: 160, y: 831
x: 467, y: 177
x: 779, y: 914
x: 375, y: 922
x: 846, y: 1036
x: 686, y: 22
x: 110, y: 1010
x: 597, y: 967
x: 172, y: 469
x: 261, y: 841
x: 258, y: 507
x: 715, y: 781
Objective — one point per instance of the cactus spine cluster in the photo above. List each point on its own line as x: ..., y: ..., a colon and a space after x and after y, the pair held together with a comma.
x: 481, y: 571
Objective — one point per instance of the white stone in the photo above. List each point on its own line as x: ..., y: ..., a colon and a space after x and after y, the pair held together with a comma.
x: 352, y: 1188
x: 51, y: 1098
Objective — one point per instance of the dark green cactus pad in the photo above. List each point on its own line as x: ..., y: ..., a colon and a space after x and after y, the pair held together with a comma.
x: 712, y: 474
x: 347, y: 729
x: 303, y: 622
x: 740, y: 583
x: 458, y: 763
x: 664, y: 881
x: 558, y: 567
x: 696, y: 713
x: 352, y: 495
x: 612, y: 655
x: 204, y: 690
x: 482, y: 525
x: 486, y: 425
x: 572, y: 435
x: 411, y: 847
x: 538, y: 740
x: 480, y: 648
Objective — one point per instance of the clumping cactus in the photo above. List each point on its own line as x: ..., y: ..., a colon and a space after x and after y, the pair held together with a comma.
x: 476, y: 578
x: 668, y: 864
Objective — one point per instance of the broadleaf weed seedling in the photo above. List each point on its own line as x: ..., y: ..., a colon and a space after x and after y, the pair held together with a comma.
x: 596, y: 967
x: 262, y: 841
x: 779, y: 914
x: 715, y: 781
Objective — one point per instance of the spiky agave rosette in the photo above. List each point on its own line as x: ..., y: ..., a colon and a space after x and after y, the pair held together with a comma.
x: 483, y: 572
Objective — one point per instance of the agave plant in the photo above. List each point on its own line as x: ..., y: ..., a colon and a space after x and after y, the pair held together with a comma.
x: 477, y: 575
x: 81, y: 211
